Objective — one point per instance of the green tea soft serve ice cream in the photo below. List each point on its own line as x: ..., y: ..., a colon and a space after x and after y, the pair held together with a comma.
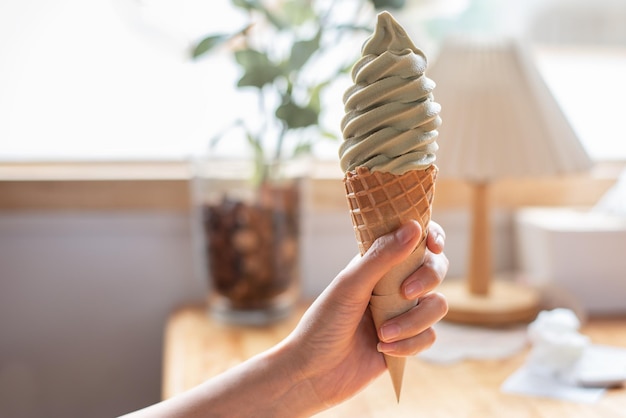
x: 388, y: 154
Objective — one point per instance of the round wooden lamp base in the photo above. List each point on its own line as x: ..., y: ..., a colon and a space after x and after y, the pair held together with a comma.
x: 506, y: 303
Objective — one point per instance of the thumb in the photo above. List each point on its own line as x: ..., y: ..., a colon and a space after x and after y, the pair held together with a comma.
x: 358, y: 279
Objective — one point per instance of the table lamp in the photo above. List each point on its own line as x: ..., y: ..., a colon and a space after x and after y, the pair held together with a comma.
x: 500, y: 122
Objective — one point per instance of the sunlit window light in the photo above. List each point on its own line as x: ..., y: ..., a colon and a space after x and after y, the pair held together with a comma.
x: 112, y: 80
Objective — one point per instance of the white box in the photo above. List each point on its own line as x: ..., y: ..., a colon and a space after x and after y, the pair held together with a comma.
x: 580, y: 251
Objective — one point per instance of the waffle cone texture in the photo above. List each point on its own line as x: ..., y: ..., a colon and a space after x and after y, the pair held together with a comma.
x: 379, y: 203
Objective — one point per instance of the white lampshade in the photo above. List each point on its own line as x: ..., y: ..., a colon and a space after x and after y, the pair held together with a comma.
x: 499, y: 121
x: 499, y: 118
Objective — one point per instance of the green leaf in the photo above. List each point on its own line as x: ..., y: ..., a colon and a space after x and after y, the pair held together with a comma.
x: 258, y: 69
x: 301, y: 51
x: 329, y: 135
x: 208, y: 44
x: 212, y: 41
x: 260, y: 7
x: 247, y: 4
x: 298, y: 12
x: 349, y: 27
x: 388, y: 4
x: 302, y: 149
x: 315, y: 96
x: 274, y: 20
x: 296, y: 116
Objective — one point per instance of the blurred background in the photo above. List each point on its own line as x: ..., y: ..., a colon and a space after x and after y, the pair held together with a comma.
x: 101, y: 108
x: 113, y: 79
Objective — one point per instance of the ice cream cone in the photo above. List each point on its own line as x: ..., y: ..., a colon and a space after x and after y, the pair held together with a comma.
x: 379, y: 203
x: 390, y: 132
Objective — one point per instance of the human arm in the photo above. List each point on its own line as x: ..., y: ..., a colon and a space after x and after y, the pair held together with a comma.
x: 332, y: 353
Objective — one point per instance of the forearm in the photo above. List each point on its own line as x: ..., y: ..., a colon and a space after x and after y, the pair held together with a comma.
x: 267, y: 385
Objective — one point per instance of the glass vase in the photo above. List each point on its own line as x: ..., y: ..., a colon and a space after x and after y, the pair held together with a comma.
x: 249, y: 240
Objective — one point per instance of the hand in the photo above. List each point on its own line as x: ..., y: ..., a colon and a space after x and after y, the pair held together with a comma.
x: 336, y: 346
x: 334, y: 351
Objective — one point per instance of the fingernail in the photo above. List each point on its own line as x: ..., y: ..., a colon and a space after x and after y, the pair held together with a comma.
x: 386, y: 347
x: 389, y: 332
x: 414, y: 289
x: 405, y: 233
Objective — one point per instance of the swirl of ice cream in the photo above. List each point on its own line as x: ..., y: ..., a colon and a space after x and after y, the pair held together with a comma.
x: 391, y: 119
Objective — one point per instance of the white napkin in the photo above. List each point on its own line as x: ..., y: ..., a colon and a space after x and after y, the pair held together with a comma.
x: 563, y: 364
x: 458, y: 342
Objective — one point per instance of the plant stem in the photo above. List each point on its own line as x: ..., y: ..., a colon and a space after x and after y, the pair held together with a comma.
x: 279, y: 145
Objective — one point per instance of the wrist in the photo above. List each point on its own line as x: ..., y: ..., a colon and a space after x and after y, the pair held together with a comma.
x: 294, y: 393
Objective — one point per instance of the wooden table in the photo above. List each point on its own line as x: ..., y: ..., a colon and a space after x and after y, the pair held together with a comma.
x: 197, y: 348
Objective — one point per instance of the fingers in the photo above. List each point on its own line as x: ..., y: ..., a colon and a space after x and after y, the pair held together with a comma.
x: 436, y: 237
x: 434, y: 269
x: 411, y: 332
x: 427, y: 277
x: 359, y: 278
x: 390, y: 250
x: 409, y: 347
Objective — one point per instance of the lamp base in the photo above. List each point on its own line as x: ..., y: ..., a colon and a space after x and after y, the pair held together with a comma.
x: 506, y: 303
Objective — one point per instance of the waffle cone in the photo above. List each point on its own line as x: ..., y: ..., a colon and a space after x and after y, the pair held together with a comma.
x: 379, y: 203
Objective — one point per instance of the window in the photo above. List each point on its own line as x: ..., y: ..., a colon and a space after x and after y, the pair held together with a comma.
x: 107, y: 79
x: 588, y: 84
x: 111, y: 80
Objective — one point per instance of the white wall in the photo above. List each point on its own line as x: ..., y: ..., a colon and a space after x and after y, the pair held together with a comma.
x: 83, y: 300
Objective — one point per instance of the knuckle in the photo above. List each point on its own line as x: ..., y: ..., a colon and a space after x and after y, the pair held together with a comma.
x: 441, y: 304
x: 423, y: 341
x: 430, y: 336
x: 436, y: 304
x: 446, y: 261
x: 376, y: 250
x: 380, y: 249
